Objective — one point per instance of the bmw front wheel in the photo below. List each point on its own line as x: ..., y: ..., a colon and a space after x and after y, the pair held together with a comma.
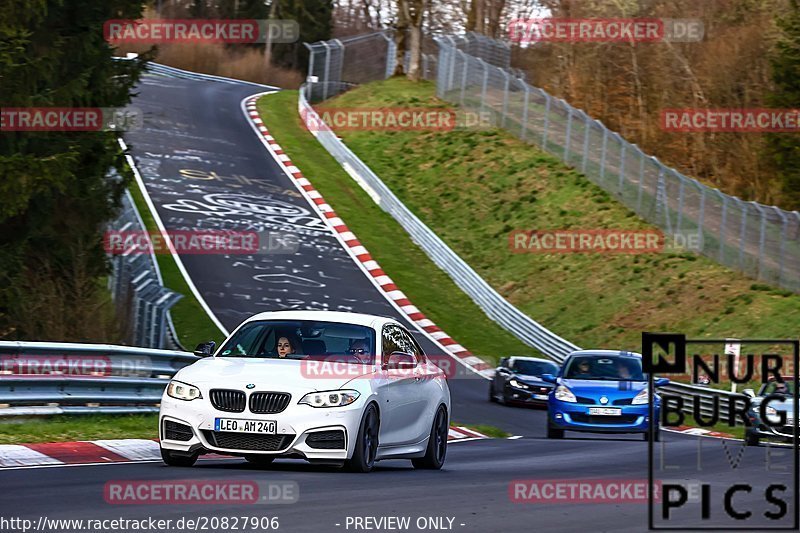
x: 437, y: 443
x: 366, y: 442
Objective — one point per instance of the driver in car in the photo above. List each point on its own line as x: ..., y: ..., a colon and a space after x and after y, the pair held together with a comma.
x: 286, y: 345
x: 359, y: 348
x: 583, y: 370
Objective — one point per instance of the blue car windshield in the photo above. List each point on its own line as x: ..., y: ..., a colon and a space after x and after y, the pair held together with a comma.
x: 603, y: 367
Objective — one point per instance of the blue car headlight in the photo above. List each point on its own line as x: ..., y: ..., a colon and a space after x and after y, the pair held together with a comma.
x: 642, y: 398
x: 564, y: 394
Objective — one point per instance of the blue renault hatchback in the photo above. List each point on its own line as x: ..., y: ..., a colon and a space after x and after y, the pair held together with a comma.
x: 600, y: 391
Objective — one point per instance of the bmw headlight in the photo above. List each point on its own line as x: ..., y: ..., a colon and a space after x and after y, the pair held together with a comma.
x: 183, y: 391
x: 564, y: 394
x: 518, y: 384
x: 333, y: 398
x: 642, y: 398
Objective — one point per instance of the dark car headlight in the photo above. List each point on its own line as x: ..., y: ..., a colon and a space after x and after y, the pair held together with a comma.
x: 518, y: 384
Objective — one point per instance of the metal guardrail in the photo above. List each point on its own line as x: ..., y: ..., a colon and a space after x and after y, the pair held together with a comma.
x: 493, y: 304
x: 48, y: 378
x: 137, y: 287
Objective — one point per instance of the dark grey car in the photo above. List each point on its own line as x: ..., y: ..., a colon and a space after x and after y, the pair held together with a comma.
x: 780, y: 405
x: 517, y: 380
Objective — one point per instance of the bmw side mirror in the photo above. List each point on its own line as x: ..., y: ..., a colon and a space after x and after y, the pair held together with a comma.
x: 660, y: 382
x: 205, y: 349
x: 550, y: 378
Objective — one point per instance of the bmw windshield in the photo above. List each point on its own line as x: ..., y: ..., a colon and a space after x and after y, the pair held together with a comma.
x: 605, y: 368
x: 303, y: 339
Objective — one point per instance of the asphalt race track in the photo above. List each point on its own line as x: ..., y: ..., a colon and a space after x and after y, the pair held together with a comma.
x: 205, y: 168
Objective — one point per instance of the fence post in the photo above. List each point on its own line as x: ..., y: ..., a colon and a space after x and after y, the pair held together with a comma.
x: 485, y: 82
x: 641, y: 182
x: 605, y: 148
x: 311, y: 55
x: 700, y: 217
x: 722, y: 226
x: 679, y: 225
x: 623, y: 148
x: 569, y: 132
x: 524, y: 132
x: 505, y: 99
x: 549, y: 100
x: 391, y: 56
x: 587, y: 125
x: 742, y: 235
x: 452, y: 65
x: 762, y: 237
x: 326, y: 70
x: 464, y: 70
x: 782, y: 252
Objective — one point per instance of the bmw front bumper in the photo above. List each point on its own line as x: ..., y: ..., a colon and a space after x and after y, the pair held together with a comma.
x: 325, y: 434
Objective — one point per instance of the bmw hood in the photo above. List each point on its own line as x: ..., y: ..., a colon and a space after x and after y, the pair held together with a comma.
x: 270, y: 374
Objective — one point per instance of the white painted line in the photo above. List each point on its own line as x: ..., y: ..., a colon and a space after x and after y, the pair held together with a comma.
x: 16, y: 455
x: 132, y: 449
x: 168, y: 240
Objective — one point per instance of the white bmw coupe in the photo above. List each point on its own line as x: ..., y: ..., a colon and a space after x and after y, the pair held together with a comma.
x: 324, y: 386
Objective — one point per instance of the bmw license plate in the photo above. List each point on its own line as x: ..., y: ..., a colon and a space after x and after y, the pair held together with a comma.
x: 540, y: 396
x: 605, y: 411
x: 238, y: 425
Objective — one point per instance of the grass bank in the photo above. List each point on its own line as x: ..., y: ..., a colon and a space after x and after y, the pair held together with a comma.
x: 476, y: 187
x: 425, y: 284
